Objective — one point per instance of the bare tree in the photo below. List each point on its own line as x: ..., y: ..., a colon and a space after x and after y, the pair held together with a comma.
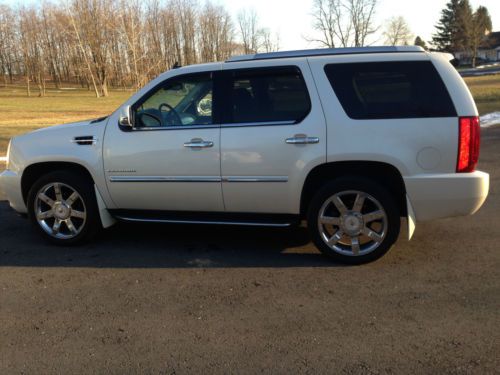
x: 248, y: 27
x: 95, y: 24
x: 270, y: 42
x: 361, y: 15
x: 344, y: 23
x: 33, y: 49
x: 397, y: 32
x: 118, y: 43
x: 131, y: 17
x: 8, y: 44
x: 216, y: 33
x: 83, y: 52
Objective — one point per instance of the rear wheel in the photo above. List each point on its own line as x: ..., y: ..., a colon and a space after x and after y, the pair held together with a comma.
x: 353, y: 220
x: 62, y: 206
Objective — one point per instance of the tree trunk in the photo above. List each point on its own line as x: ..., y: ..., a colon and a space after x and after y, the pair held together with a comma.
x: 474, y: 58
x: 28, y: 91
x: 104, y: 87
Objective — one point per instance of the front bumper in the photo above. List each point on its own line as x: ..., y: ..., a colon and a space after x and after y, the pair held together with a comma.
x: 435, y: 196
x: 10, y: 187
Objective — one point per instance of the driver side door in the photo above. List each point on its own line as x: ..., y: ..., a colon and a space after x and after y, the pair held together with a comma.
x: 170, y: 159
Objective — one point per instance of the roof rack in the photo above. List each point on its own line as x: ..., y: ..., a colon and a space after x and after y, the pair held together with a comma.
x: 325, y: 52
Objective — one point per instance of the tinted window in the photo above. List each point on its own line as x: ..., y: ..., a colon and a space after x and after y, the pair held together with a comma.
x: 180, y: 101
x: 404, y: 89
x: 267, y: 95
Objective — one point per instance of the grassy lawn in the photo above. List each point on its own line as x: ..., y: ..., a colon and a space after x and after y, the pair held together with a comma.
x: 21, y: 114
x: 486, y: 92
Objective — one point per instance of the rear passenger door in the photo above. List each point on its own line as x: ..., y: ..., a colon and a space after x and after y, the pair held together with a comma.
x: 273, y: 133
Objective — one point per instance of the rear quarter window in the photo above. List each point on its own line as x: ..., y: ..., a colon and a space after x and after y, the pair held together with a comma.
x: 388, y: 90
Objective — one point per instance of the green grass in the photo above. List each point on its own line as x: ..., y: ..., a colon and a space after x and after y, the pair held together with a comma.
x: 21, y: 114
x: 486, y: 92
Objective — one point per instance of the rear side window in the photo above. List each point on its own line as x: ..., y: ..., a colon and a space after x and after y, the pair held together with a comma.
x: 267, y: 95
x: 385, y: 90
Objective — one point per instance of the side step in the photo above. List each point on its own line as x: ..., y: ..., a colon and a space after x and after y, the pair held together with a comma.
x: 210, y: 218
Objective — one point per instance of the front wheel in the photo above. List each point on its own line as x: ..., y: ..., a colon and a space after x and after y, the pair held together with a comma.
x: 353, y: 220
x: 62, y: 206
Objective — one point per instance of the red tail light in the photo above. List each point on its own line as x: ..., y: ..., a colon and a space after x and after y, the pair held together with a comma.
x: 468, y: 144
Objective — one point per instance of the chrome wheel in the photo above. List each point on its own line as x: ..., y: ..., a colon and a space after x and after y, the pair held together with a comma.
x: 60, y: 210
x: 352, y: 223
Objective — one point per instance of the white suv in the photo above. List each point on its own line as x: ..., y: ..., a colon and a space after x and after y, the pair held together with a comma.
x: 352, y: 140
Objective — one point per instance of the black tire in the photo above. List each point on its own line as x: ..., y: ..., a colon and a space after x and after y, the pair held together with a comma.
x: 346, y: 185
x: 90, y: 227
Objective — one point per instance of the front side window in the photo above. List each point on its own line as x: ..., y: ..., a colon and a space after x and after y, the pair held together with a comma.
x: 180, y: 101
x: 385, y: 90
x: 268, y: 95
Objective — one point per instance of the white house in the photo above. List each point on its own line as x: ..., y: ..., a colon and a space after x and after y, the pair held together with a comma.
x: 489, y: 50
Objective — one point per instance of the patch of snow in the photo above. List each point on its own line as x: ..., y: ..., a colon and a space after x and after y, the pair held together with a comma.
x: 3, y: 158
x: 490, y: 119
x: 488, y: 65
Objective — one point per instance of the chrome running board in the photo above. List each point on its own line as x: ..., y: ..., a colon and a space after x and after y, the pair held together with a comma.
x: 209, y: 218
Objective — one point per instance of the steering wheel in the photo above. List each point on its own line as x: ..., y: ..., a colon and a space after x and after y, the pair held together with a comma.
x: 171, y: 110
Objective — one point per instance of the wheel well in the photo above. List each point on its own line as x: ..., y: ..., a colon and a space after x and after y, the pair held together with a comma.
x: 385, y: 174
x: 33, y: 172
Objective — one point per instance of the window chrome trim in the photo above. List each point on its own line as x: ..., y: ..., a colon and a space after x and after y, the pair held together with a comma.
x: 164, y: 179
x: 264, y: 123
x: 176, y: 127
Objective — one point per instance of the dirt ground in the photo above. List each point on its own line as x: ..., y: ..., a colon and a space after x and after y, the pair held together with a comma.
x: 197, y: 299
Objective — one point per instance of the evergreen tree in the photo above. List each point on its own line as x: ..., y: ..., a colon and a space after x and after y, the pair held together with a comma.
x: 447, y: 27
x: 420, y: 42
x: 481, y: 25
x: 461, y: 38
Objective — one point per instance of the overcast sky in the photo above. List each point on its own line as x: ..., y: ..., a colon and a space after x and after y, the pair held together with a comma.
x: 292, y: 17
x: 293, y: 21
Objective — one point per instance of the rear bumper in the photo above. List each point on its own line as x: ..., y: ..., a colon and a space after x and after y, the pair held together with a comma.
x: 445, y: 195
x: 10, y: 186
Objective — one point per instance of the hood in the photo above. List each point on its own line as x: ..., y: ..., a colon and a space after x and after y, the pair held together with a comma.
x: 63, y: 132
x: 70, y: 125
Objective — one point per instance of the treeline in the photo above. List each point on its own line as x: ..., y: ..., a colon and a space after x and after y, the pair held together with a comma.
x: 119, y: 43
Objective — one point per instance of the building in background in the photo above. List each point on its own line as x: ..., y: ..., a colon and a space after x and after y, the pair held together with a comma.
x: 488, y: 51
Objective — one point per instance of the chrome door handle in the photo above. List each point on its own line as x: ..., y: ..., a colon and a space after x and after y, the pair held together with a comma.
x: 301, y: 139
x: 198, y: 143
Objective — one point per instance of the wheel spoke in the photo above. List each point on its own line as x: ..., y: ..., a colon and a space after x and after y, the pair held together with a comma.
x: 57, y: 191
x: 70, y: 226
x: 44, y: 215
x: 329, y: 220
x: 46, y: 199
x: 339, y: 204
x: 72, y: 198
x: 372, y: 216
x: 355, y: 245
x: 358, y: 203
x: 78, y: 214
x: 335, y: 238
x: 57, y: 226
x: 373, y: 235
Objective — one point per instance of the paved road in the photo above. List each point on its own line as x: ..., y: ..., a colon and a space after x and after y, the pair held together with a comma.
x: 190, y: 299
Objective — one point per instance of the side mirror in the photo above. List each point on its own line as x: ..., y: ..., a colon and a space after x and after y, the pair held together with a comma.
x: 125, y: 118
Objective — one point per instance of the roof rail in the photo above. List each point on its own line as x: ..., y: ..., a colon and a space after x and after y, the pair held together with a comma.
x: 325, y: 52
